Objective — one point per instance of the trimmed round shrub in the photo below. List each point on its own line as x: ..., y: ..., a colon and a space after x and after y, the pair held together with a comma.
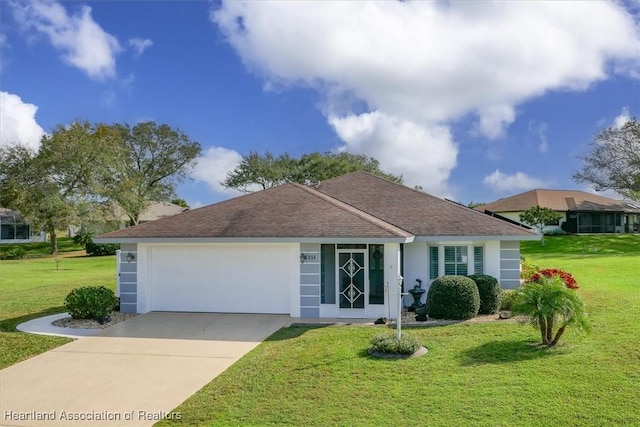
x: 387, y: 343
x: 453, y: 297
x: 490, y: 293
x: 90, y: 302
x: 509, y: 297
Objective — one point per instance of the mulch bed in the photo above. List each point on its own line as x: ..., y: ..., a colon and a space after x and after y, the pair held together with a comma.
x: 69, y: 322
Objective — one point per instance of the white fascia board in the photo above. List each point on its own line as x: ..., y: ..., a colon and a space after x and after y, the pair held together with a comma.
x: 372, y: 240
x: 474, y: 238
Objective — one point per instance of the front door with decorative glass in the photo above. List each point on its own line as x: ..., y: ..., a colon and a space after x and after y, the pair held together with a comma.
x: 352, y: 277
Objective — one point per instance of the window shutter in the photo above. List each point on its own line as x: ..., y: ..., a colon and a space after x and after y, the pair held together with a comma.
x: 433, y: 262
x: 478, y: 259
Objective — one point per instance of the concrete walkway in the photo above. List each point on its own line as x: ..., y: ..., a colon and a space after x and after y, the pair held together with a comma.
x: 43, y: 326
x: 131, y: 374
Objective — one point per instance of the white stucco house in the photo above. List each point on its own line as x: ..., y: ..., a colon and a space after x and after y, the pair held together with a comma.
x: 333, y: 250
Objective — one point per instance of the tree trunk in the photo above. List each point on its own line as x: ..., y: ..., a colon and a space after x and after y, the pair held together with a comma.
x: 557, y: 337
x: 549, y: 329
x: 54, y: 241
x: 542, y: 322
x: 134, y: 219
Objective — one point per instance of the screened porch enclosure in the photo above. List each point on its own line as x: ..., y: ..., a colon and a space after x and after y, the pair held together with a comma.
x: 599, y: 222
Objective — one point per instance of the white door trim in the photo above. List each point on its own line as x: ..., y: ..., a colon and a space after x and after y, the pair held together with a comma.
x: 352, y: 313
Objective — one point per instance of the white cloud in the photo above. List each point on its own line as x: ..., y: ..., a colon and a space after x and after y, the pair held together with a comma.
x: 18, y: 123
x: 539, y: 130
x: 622, y: 118
x: 422, y: 65
x: 213, y: 166
x: 423, y: 154
x: 494, y: 120
x: 519, y: 181
x: 429, y: 60
x: 82, y: 42
x: 140, y: 45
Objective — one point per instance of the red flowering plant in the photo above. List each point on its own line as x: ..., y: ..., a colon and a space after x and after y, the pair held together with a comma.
x: 568, y: 280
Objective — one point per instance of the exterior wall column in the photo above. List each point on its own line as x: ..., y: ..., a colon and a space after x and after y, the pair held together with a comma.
x: 127, y: 279
x: 391, y: 273
x: 306, y: 295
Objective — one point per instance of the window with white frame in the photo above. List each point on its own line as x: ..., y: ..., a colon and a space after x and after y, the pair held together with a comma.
x: 455, y: 260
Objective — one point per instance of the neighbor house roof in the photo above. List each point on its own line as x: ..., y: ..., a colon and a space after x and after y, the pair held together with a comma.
x: 356, y: 205
x: 559, y: 200
x: 158, y: 210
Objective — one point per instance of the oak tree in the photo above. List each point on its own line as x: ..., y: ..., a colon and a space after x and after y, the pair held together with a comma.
x: 57, y: 186
x: 153, y: 160
x: 614, y: 161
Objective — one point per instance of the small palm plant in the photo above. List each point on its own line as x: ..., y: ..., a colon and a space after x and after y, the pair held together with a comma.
x: 549, y: 304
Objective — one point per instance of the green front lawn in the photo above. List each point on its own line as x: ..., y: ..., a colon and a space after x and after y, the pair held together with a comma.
x: 41, y: 249
x: 474, y: 374
x: 33, y: 288
x: 582, y: 245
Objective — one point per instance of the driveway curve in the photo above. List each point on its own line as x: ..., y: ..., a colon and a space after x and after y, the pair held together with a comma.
x: 131, y: 374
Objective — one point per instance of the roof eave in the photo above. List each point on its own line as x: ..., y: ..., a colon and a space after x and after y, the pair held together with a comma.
x: 372, y: 240
x: 467, y: 238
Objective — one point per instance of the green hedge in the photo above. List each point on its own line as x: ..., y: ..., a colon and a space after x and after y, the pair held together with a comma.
x: 101, y: 249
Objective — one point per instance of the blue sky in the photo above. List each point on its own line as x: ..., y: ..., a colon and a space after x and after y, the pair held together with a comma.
x: 470, y: 100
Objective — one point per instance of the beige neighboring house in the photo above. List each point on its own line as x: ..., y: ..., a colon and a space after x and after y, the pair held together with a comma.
x: 155, y: 211
x: 582, y: 212
x: 159, y: 210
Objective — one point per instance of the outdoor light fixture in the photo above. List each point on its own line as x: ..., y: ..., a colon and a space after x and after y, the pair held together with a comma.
x: 303, y: 257
x: 130, y: 257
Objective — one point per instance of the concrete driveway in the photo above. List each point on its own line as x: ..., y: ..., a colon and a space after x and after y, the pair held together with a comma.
x: 131, y: 374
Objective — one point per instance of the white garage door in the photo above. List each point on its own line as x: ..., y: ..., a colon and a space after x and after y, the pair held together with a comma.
x: 221, y: 278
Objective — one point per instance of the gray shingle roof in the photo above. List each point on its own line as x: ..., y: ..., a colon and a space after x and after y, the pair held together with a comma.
x: 356, y: 205
x: 288, y: 210
x: 415, y: 211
